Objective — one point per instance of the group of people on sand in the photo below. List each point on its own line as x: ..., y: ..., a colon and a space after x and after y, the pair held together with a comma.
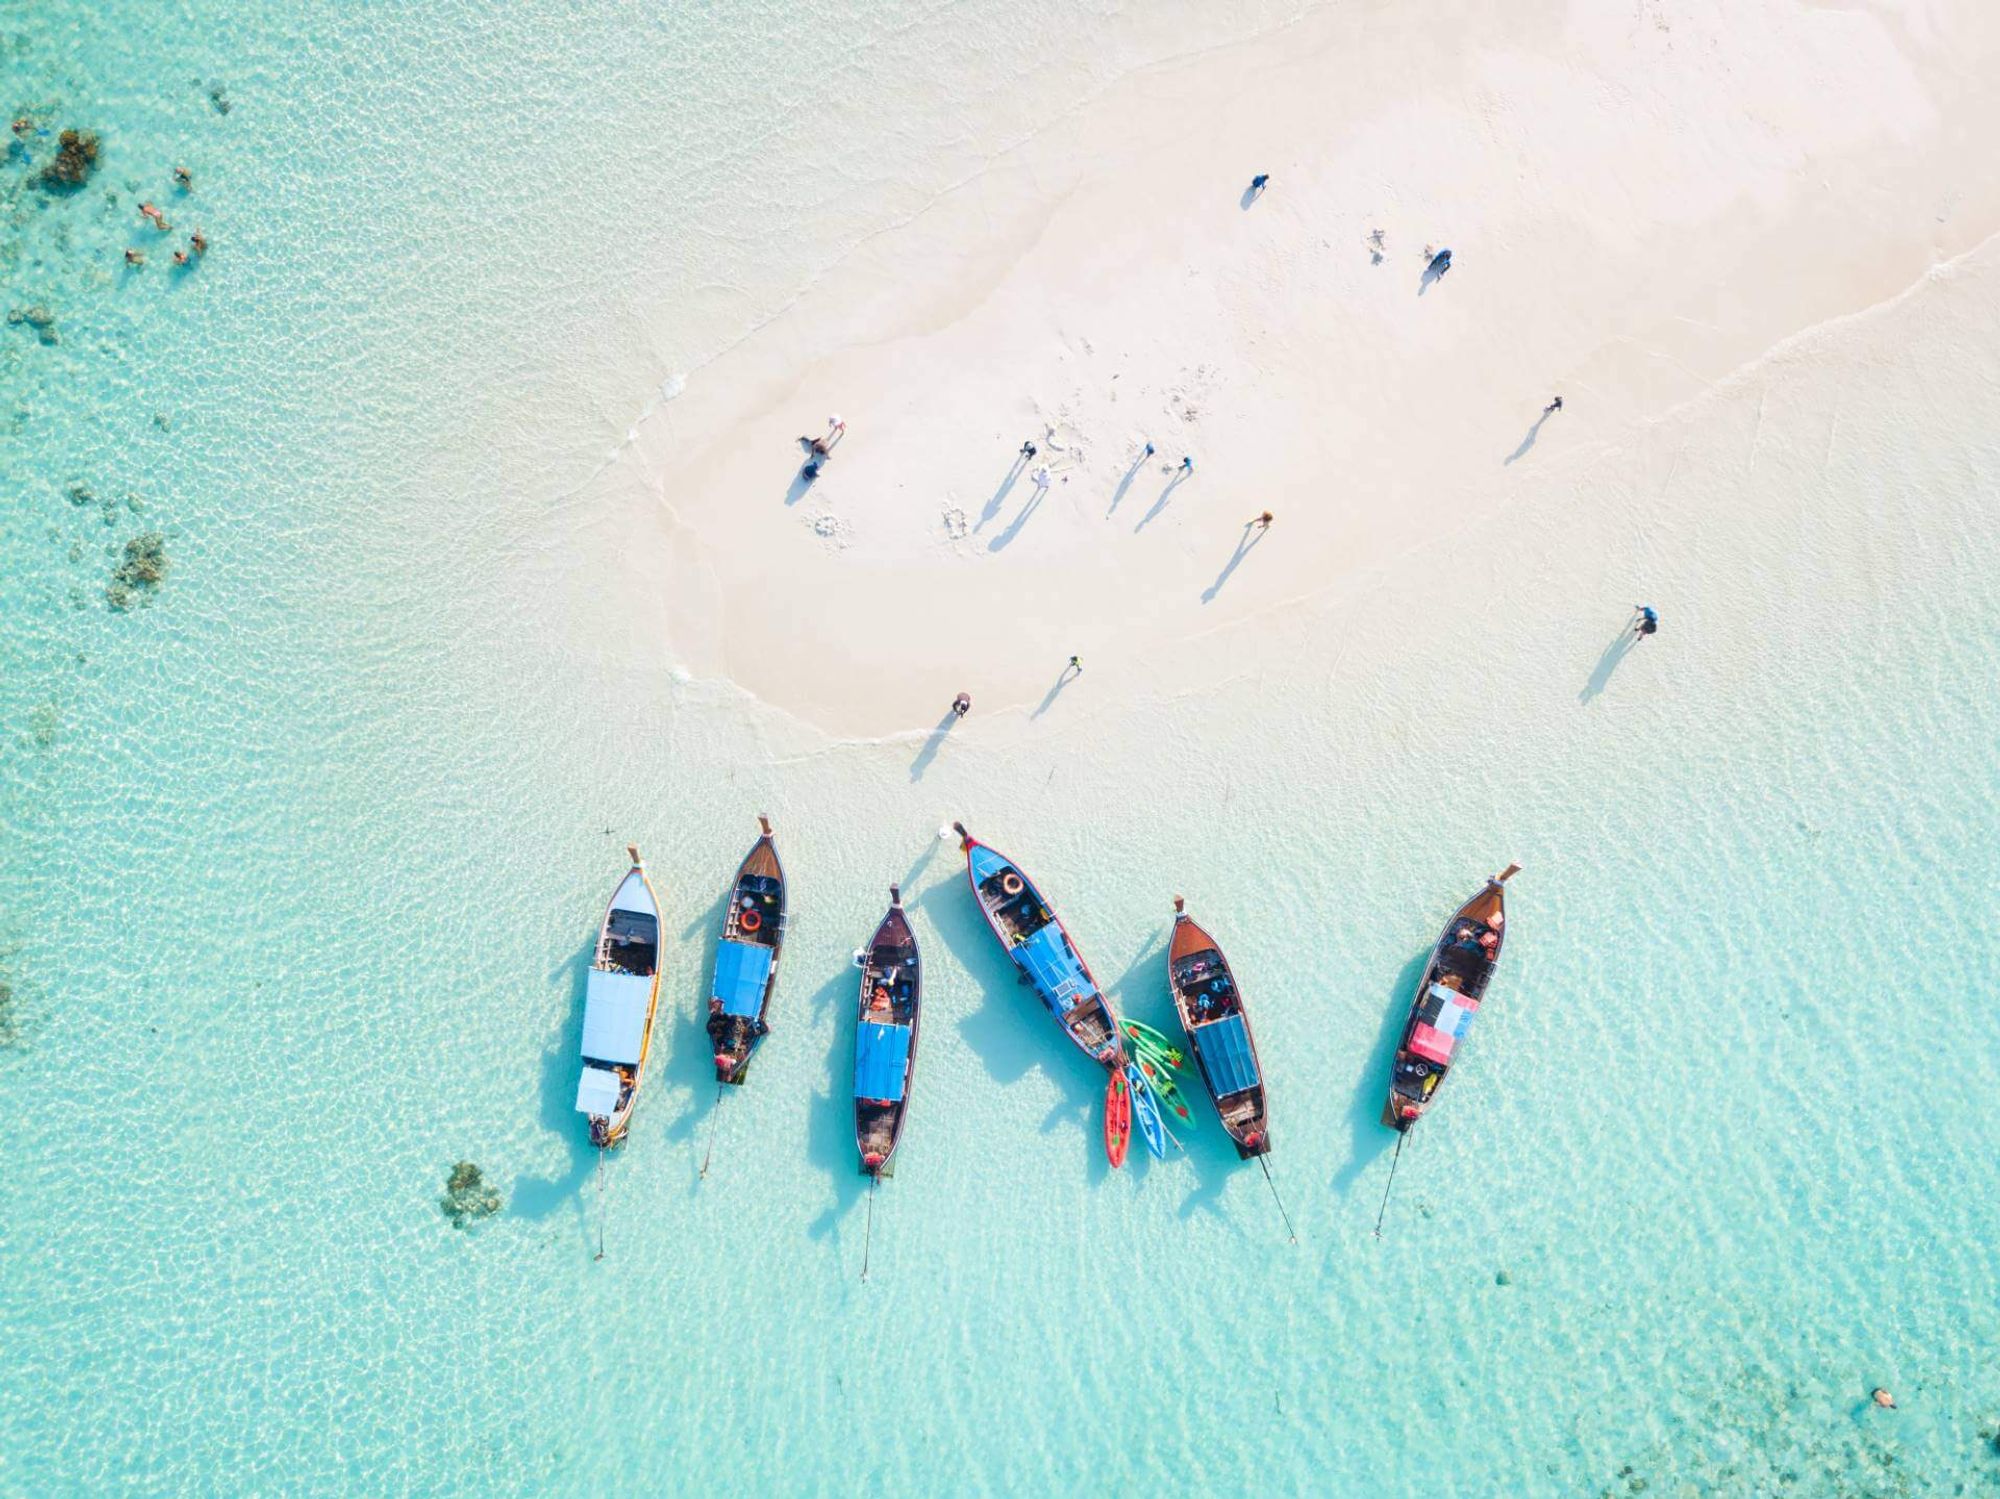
x: 197, y: 241
x: 1645, y: 619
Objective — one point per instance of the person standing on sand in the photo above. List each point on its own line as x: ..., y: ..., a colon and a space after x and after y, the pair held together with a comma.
x: 1257, y: 183
x: 1075, y: 666
x: 1042, y: 478
x: 1028, y: 451
x: 1262, y: 522
x: 1440, y: 263
x: 1187, y: 464
x: 962, y: 704
x: 1553, y: 407
x: 1147, y: 454
x: 1647, y: 622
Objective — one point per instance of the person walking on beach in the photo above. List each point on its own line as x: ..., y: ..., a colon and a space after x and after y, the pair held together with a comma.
x: 1028, y: 451
x: 1042, y: 478
x: 1187, y: 464
x: 1440, y: 263
x: 1646, y: 623
x: 1553, y: 407
x: 962, y: 704
x: 1262, y: 522
x: 1257, y: 183
x: 1147, y: 454
x: 1075, y: 668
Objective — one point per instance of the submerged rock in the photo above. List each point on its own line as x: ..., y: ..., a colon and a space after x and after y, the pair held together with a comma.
x: 468, y: 1196
x: 10, y: 1024
x: 219, y: 97
x: 37, y: 317
x: 76, y: 159
x: 142, y: 571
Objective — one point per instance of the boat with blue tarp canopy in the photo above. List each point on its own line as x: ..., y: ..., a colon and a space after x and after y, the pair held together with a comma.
x: 1040, y: 947
x: 1211, y: 1011
x: 885, y: 1036
x: 881, y: 1053
x: 740, y: 971
x: 1034, y: 937
x: 620, y: 995
x: 746, y: 958
x: 1223, y: 1048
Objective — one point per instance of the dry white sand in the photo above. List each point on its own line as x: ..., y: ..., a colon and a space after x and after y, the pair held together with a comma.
x: 1640, y: 199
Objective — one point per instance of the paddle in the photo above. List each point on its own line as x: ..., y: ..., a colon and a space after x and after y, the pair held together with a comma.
x: 1401, y: 1136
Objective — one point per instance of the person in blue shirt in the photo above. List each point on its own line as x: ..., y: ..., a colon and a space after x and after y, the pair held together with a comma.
x: 1646, y: 621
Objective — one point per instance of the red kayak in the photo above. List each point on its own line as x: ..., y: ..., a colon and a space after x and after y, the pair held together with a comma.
x: 1117, y: 1119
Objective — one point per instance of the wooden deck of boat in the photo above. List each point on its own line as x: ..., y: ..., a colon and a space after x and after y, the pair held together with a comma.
x: 762, y: 860
x: 1189, y: 939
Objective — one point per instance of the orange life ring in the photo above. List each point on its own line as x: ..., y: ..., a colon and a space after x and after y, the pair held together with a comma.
x: 750, y: 921
x: 1011, y: 883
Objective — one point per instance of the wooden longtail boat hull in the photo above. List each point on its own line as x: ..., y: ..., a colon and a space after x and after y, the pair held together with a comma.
x: 746, y: 959
x: 1212, y: 1013
x: 1449, y: 994
x: 887, y: 1022
x: 1039, y: 945
x: 622, y: 995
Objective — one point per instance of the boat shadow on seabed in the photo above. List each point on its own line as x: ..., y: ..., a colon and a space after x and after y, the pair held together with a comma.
x: 1371, y: 1090
x: 830, y: 1127
x: 1011, y: 1033
x: 538, y: 1197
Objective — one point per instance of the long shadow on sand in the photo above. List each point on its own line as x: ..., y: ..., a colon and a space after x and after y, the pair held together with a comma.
x: 1526, y: 442
x: 1011, y: 1033
x: 933, y: 742
x: 1118, y: 494
x: 1000, y: 495
x: 1015, y: 526
x: 1166, y: 497
x: 1250, y: 537
x: 1063, y: 679
x: 1364, y: 1115
x: 538, y: 1197
x: 1600, y: 676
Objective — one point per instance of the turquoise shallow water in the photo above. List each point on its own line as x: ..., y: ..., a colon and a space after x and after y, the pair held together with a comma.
x: 301, y: 860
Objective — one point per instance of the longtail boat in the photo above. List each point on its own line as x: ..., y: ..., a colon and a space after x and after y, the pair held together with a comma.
x: 1448, y: 997
x: 746, y: 959
x: 1218, y: 1029
x: 885, y: 1037
x: 620, y: 995
x: 1040, y: 946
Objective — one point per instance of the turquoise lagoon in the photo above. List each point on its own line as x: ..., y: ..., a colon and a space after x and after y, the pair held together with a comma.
x: 300, y: 860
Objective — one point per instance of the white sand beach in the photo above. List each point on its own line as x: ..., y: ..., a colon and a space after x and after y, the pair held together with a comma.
x: 1638, y: 203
